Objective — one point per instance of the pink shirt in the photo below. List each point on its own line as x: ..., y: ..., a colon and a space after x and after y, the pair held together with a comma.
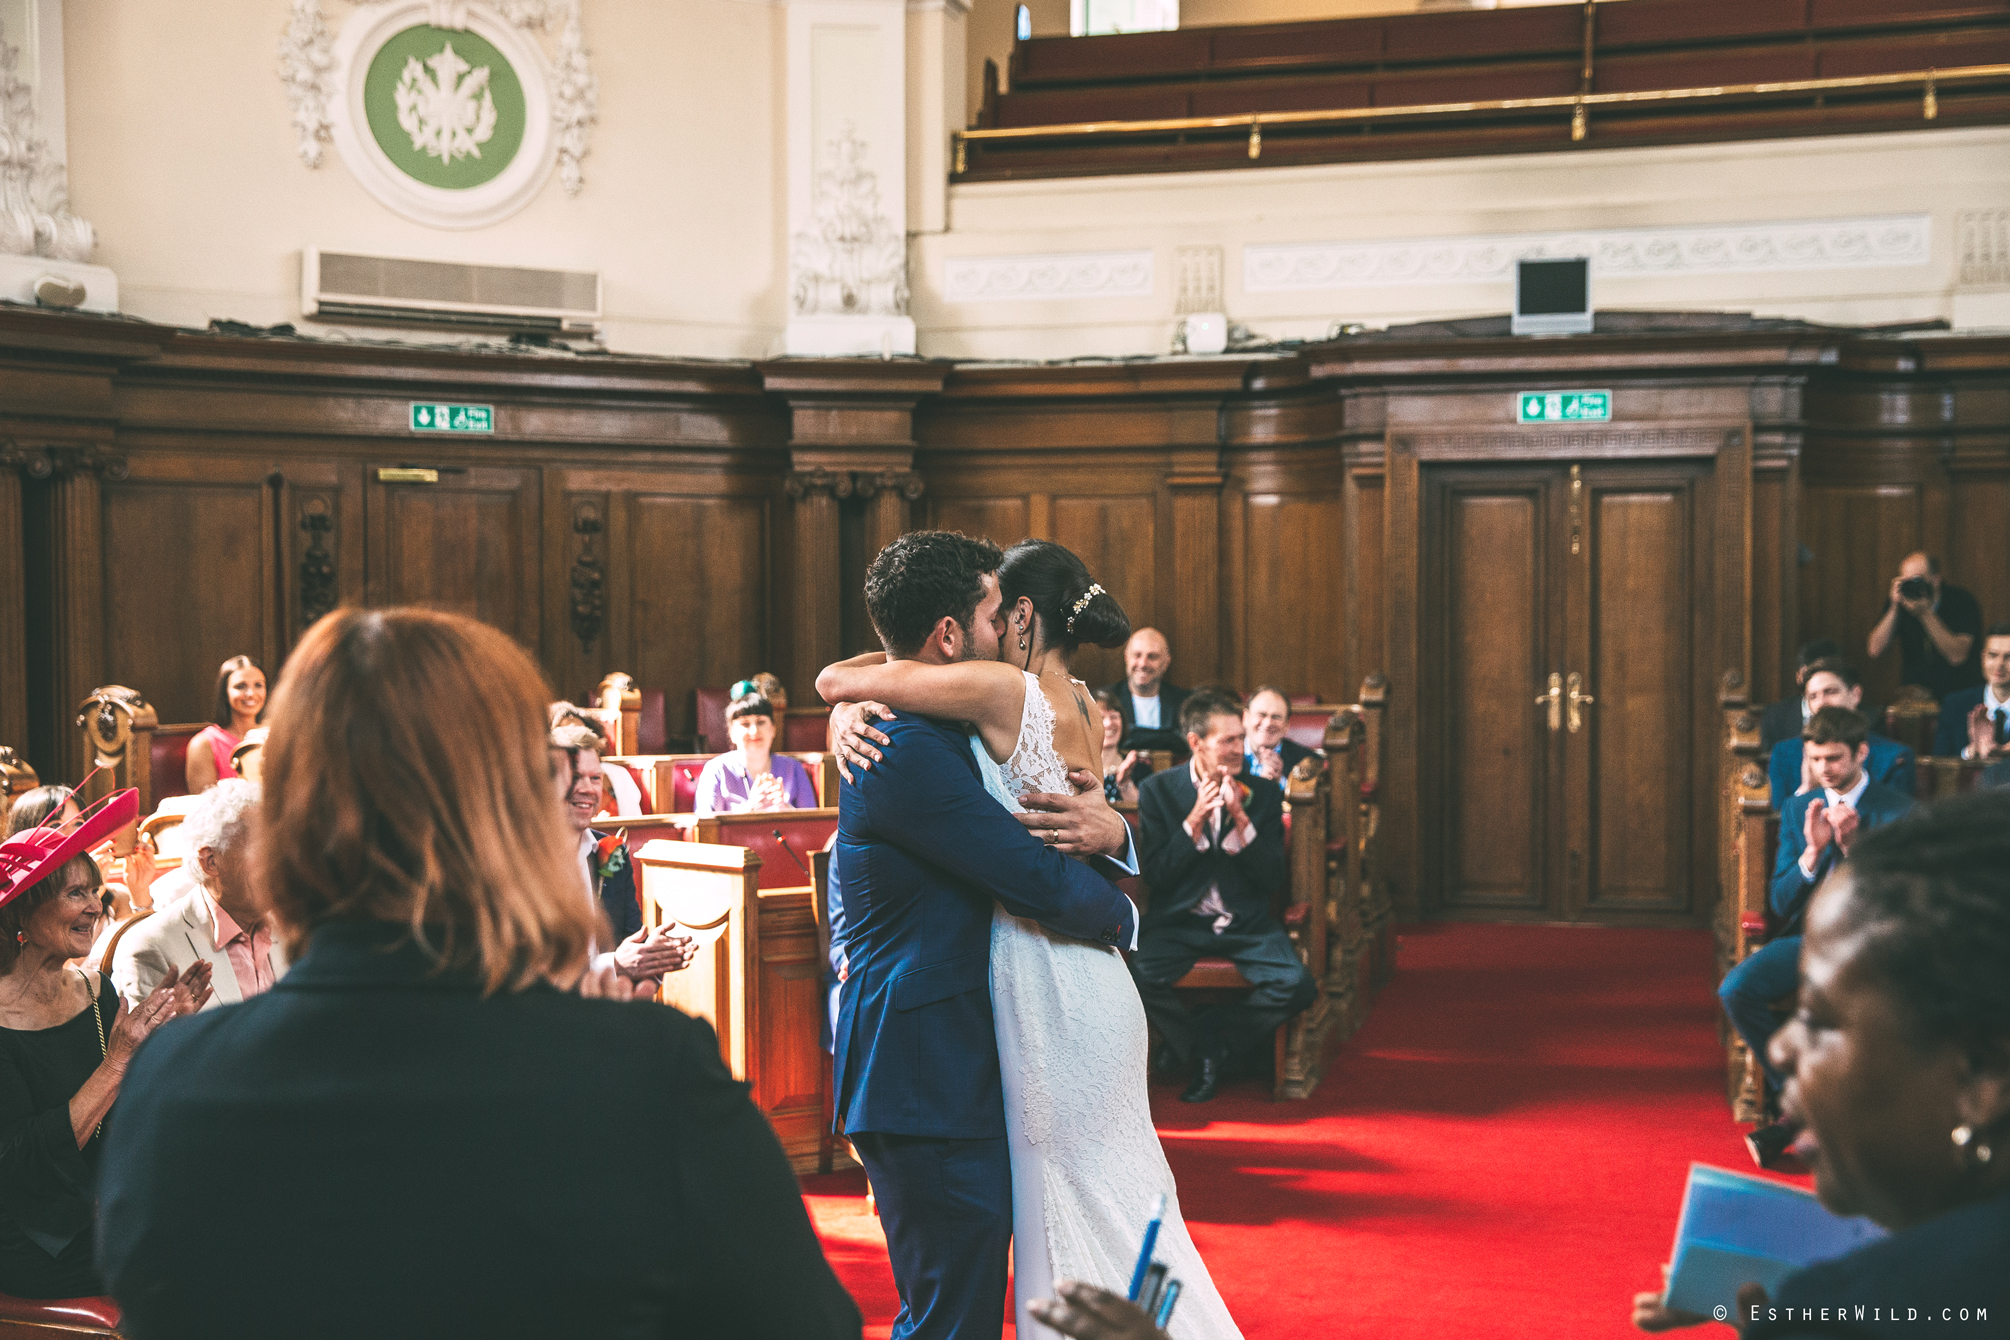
x: 222, y: 744
x: 250, y: 954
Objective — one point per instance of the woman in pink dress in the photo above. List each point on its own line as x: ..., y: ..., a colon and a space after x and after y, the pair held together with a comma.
x: 240, y: 703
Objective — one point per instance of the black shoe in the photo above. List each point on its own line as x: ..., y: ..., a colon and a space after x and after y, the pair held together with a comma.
x: 1769, y: 1145
x: 1206, y: 1081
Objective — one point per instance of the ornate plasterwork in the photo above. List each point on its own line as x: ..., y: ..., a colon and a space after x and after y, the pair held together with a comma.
x: 313, y: 75
x: 1084, y: 274
x: 1817, y: 244
x: 35, y: 217
x: 852, y: 260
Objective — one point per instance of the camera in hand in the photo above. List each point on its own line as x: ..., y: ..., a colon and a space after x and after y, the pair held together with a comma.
x: 1915, y: 588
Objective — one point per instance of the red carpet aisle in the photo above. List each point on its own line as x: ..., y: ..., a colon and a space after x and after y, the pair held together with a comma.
x: 1499, y: 1153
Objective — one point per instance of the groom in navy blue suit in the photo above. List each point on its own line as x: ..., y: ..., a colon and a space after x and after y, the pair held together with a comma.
x: 922, y: 852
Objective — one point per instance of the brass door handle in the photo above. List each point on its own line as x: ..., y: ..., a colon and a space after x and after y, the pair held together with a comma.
x: 1554, y: 698
x: 1578, y: 698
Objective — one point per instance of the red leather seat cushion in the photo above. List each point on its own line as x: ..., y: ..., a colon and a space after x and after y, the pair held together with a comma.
x: 1218, y: 974
x: 84, y: 1313
x: 651, y: 734
x: 684, y: 784
x: 805, y: 731
x: 708, y: 718
x: 170, y: 761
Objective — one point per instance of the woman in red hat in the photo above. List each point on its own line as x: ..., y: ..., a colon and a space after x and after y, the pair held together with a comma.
x: 65, y: 1039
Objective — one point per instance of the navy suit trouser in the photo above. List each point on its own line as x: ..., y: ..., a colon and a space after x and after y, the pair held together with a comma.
x: 946, y: 1207
x: 1771, y: 971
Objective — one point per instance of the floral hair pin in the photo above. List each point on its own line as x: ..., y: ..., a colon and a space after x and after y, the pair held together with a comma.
x: 1082, y: 604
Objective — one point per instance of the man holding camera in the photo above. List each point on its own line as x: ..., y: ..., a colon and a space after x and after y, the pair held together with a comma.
x: 1938, y: 628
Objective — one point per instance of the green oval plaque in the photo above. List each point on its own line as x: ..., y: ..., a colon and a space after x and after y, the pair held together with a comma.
x: 445, y: 106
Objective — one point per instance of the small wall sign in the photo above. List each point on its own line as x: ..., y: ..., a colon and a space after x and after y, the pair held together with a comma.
x: 1563, y: 407
x: 430, y: 418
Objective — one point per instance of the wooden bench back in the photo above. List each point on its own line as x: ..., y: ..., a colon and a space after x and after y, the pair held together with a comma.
x: 16, y: 776
x: 783, y: 839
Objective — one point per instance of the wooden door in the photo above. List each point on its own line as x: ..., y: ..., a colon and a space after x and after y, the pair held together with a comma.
x: 1562, y: 686
x: 466, y: 540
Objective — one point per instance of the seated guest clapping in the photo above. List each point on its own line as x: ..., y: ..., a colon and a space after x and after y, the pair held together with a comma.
x: 240, y: 705
x: 65, y: 1042
x: 1897, y: 1069
x: 1975, y: 723
x: 607, y: 874
x: 1123, y: 768
x: 753, y: 776
x: 1834, y: 683
x: 1817, y: 830
x: 1265, y: 718
x: 223, y: 921
x: 419, y: 1132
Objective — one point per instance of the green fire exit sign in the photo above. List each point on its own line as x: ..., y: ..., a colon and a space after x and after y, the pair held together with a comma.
x: 453, y: 418
x: 1563, y: 407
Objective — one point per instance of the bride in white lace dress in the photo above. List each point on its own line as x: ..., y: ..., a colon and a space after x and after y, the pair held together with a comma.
x: 1086, y: 1161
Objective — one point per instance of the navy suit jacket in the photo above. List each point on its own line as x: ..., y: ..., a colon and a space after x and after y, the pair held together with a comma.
x: 1889, y: 763
x: 1789, y: 896
x: 1950, y: 736
x: 922, y: 852
x: 617, y: 896
x: 1179, y: 874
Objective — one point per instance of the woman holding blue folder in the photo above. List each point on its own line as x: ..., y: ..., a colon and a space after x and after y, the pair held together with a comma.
x: 1898, y: 1075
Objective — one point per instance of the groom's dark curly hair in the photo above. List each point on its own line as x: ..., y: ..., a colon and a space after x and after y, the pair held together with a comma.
x: 921, y: 577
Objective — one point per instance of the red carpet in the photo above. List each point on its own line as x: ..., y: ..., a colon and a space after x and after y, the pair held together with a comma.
x: 1499, y: 1153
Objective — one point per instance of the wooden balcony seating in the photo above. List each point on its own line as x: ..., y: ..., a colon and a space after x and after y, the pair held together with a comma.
x: 53, y: 1318
x: 1410, y: 60
x: 1912, y: 719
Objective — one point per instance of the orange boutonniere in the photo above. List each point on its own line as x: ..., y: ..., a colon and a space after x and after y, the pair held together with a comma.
x: 610, y: 854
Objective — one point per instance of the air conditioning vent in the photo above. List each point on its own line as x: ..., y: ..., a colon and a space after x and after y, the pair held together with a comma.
x: 342, y: 286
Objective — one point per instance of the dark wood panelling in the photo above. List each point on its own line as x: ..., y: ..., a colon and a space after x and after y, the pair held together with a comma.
x: 1857, y: 534
x: 1000, y: 520
x: 191, y: 577
x: 700, y: 572
x: 1113, y: 536
x: 468, y: 544
x: 1293, y: 547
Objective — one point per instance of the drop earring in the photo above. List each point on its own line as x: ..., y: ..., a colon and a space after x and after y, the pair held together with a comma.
x: 1967, y: 1147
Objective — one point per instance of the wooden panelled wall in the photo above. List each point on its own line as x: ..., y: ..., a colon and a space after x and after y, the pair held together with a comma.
x: 169, y: 498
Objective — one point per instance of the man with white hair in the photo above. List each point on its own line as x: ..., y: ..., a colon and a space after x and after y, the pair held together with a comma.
x: 221, y: 921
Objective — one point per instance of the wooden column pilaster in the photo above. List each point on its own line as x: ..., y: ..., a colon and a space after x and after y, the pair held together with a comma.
x: 851, y: 435
x: 13, y: 607
x: 76, y: 541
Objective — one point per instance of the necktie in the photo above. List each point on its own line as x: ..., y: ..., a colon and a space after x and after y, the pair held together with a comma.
x: 2002, y: 719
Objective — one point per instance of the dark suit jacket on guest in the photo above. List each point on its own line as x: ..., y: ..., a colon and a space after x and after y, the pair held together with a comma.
x: 1788, y: 897
x: 409, y: 1159
x: 617, y: 893
x: 1179, y: 875
x: 1289, y: 751
x: 922, y: 852
x: 1780, y: 721
x: 1168, y: 735
x: 1950, y: 733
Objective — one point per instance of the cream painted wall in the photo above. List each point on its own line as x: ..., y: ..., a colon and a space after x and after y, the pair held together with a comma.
x: 1940, y: 173
x: 181, y: 152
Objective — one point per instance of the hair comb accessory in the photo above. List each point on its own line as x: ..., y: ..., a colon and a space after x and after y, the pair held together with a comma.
x: 741, y: 688
x: 26, y: 859
x: 1082, y: 604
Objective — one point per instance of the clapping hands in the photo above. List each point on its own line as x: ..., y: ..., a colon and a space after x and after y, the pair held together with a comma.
x: 179, y: 993
x: 647, y: 955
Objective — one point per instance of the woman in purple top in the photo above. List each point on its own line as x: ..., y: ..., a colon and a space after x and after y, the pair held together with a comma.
x: 753, y: 776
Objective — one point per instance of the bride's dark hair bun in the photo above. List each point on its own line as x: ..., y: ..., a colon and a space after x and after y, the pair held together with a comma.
x: 1071, y: 606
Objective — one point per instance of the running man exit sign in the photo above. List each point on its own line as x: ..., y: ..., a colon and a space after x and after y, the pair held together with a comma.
x: 453, y: 418
x: 1563, y: 407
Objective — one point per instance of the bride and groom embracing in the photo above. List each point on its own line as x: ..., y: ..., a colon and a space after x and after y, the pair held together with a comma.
x: 990, y: 1045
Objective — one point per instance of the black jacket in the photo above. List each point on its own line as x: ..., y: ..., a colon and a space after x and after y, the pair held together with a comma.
x: 1168, y: 735
x: 368, y: 1149
x: 1780, y: 721
x: 1179, y: 875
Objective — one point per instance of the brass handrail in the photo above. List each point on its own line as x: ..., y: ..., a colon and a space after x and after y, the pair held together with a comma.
x: 1577, y: 102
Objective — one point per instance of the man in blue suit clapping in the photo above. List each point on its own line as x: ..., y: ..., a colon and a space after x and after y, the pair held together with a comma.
x: 922, y: 854
x: 1833, y: 682
x: 1817, y: 829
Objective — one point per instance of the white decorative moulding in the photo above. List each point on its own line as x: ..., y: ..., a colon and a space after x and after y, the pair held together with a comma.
x: 1817, y: 244
x: 1082, y: 274
x: 35, y: 217
x: 456, y: 136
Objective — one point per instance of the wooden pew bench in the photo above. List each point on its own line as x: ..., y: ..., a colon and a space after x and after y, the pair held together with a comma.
x: 54, y: 1318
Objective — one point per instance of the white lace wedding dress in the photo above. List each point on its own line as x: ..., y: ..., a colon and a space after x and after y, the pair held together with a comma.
x: 1086, y: 1162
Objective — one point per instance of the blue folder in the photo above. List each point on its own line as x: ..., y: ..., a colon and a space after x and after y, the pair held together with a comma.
x: 1737, y: 1229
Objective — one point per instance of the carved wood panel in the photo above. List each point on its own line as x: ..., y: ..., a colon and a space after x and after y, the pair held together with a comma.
x: 469, y: 544
x: 191, y: 578
x: 697, y: 569
x: 1113, y: 536
x: 1857, y: 534
x: 1295, y: 586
